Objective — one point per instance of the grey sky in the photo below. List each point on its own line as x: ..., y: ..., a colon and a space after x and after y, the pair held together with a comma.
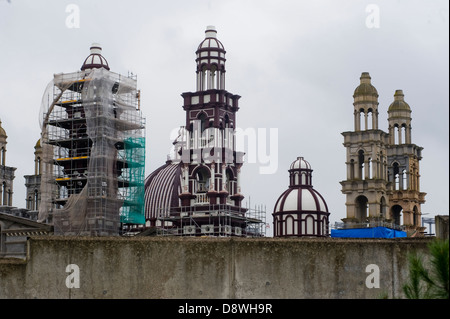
x: 295, y: 64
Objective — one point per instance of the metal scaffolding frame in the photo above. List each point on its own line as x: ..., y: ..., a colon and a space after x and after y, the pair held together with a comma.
x: 94, y: 154
x: 213, y: 220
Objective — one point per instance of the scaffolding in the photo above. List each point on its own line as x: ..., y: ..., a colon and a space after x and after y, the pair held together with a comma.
x: 93, y: 153
x: 215, y: 220
x: 132, y: 179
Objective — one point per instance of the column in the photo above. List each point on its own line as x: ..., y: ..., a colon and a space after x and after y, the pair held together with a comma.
x: 408, y: 134
x: 212, y: 179
x: 186, y: 178
x: 365, y: 121
x: 375, y: 120
x: 400, y: 180
x: 349, y: 170
x: 357, y: 120
x: 366, y: 169
x: 239, y: 180
x: 224, y: 177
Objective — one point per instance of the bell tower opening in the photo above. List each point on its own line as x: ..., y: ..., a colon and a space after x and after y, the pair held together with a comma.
x: 361, y: 208
x: 397, y: 216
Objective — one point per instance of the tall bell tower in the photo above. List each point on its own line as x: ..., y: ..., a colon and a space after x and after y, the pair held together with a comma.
x: 403, y: 171
x: 6, y: 172
x: 205, y: 148
x: 366, y: 187
x: 211, y: 165
x: 382, y: 181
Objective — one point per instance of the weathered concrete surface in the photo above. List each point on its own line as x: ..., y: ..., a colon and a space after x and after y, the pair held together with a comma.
x: 161, y: 267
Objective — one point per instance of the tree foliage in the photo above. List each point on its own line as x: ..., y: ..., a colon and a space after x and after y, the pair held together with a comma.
x: 430, y: 282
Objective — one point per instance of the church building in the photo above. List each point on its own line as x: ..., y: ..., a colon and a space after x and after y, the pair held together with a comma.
x: 198, y: 190
x: 382, y: 184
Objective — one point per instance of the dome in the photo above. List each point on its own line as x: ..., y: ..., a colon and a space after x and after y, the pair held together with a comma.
x: 162, y: 190
x: 301, y: 199
x: 210, y: 51
x: 399, y: 103
x: 300, y: 210
x: 300, y: 163
x: 211, y: 41
x: 2, y: 131
x: 365, y: 87
x: 95, y: 60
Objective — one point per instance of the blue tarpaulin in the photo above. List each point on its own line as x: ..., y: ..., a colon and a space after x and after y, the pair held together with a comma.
x: 375, y: 232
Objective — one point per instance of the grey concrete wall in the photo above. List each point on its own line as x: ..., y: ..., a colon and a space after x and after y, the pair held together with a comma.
x: 160, y: 267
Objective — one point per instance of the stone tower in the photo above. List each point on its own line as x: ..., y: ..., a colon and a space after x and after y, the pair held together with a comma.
x: 403, y: 172
x: 33, y: 182
x: 6, y: 172
x: 366, y: 186
x: 382, y: 168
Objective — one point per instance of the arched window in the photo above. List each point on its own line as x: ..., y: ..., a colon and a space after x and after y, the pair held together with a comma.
x: 230, y: 182
x: 369, y: 119
x: 289, y: 225
x: 352, y: 169
x: 361, y: 208
x: 396, y: 213
x: 203, y: 79
x: 362, y: 117
x: 278, y: 227
x: 202, y: 180
x: 383, y: 207
x: 212, y: 78
x: 361, y: 164
x: 396, y: 176
x: 402, y: 134
x: 309, y: 223
x: 303, y: 178
x: 3, y: 156
x: 397, y: 133
x: 203, y: 121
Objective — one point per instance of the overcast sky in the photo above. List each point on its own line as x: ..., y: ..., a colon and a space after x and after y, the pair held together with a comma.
x: 295, y: 64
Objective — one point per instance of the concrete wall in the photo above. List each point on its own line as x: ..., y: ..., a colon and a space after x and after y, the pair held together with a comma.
x: 160, y: 267
x: 441, y: 224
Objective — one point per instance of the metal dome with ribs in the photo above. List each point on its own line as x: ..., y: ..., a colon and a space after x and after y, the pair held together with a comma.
x: 95, y: 60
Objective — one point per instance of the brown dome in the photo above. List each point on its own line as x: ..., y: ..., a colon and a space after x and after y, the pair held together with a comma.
x: 365, y: 88
x: 95, y: 60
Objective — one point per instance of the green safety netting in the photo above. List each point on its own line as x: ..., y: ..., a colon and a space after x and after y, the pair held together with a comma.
x: 133, y: 174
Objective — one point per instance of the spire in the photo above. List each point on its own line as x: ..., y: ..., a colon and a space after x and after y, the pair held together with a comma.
x: 210, y: 62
